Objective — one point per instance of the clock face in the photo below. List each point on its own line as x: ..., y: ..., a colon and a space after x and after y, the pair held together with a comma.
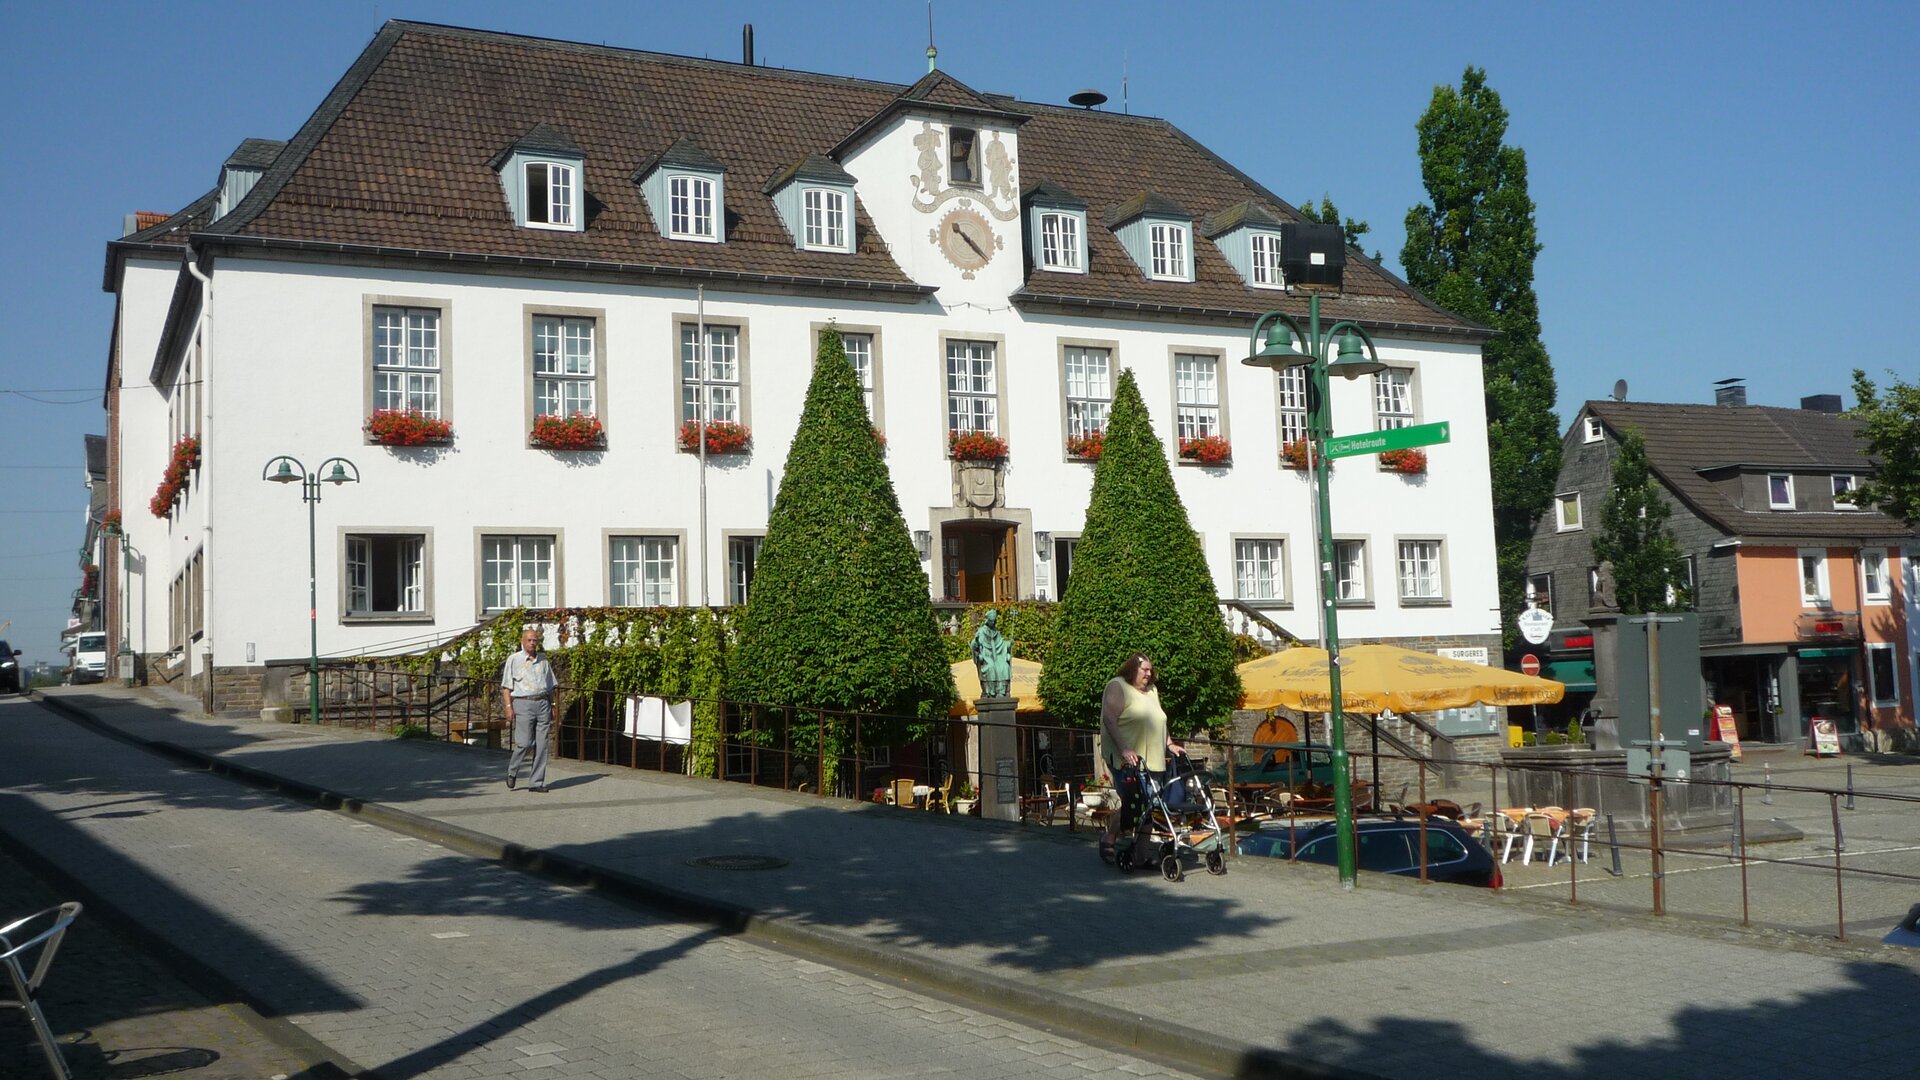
x: 967, y: 240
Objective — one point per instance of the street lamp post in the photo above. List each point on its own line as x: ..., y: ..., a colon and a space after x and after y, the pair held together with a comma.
x: 124, y: 661
x: 291, y: 470
x: 1308, y: 254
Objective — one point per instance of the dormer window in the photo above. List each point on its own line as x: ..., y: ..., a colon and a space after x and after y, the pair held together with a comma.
x: 690, y: 208
x: 1056, y: 228
x: 550, y: 194
x: 1060, y: 242
x: 963, y: 163
x: 824, y: 211
x: 1266, y: 260
x: 1168, y: 247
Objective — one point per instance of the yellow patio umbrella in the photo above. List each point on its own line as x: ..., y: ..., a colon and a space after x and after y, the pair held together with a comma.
x: 1375, y: 678
x: 1024, y: 686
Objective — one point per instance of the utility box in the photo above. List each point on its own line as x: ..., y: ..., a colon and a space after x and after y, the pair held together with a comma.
x: 1682, y: 708
x: 1313, y: 255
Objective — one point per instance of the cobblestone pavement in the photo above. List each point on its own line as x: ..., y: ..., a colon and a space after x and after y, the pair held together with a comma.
x: 121, y: 1012
x: 410, y: 961
x: 1393, y: 979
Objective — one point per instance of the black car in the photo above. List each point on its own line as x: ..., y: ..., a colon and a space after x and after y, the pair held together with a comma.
x: 12, y: 680
x: 1386, y: 845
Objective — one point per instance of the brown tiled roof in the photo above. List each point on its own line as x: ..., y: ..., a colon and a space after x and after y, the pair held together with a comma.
x: 397, y: 158
x: 1683, y: 441
x: 147, y: 219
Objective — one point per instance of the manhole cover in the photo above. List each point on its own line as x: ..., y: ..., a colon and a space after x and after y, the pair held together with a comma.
x: 738, y: 862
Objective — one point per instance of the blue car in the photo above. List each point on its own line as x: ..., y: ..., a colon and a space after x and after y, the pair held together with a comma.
x: 1384, y: 845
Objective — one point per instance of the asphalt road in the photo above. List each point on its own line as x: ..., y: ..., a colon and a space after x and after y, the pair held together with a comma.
x: 408, y: 960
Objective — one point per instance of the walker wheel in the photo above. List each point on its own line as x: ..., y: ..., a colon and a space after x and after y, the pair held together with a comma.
x: 1216, y: 863
x: 1170, y: 868
x: 1123, y: 857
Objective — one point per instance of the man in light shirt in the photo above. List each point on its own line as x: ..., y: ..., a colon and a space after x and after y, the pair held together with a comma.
x: 527, y: 684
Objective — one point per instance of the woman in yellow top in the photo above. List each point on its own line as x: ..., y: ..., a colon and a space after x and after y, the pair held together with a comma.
x: 1133, y: 729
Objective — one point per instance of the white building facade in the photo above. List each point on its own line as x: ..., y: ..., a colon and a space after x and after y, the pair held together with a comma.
x: 987, y: 273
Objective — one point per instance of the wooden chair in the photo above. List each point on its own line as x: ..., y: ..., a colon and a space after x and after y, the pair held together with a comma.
x: 1543, y: 825
x: 1051, y: 797
x: 1510, y: 826
x: 903, y: 793
x: 941, y: 796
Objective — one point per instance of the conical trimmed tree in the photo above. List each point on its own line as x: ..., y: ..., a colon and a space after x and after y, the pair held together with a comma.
x: 1140, y: 584
x: 839, y: 616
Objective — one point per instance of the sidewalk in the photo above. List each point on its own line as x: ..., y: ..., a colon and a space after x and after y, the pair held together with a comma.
x: 1261, y: 972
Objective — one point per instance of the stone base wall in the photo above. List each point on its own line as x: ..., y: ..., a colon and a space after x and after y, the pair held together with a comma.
x: 239, y: 691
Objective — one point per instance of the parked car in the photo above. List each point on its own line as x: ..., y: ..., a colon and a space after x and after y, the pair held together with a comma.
x: 90, y: 657
x: 1290, y: 763
x: 1908, y: 932
x: 1385, y: 845
x: 12, y: 678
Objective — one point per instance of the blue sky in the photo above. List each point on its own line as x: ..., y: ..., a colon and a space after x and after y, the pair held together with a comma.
x: 1709, y: 177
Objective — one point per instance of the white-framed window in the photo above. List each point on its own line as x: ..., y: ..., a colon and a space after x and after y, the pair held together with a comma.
x: 516, y: 571
x: 690, y: 208
x: 386, y: 575
x: 1393, y: 399
x: 1567, y: 512
x: 860, y: 354
x: 1814, y: 591
x: 1196, y: 395
x: 1883, y: 674
x: 824, y: 217
x: 1593, y: 431
x: 963, y: 160
x: 722, y: 373
x: 1421, y: 576
x: 1259, y: 569
x: 1350, y: 571
x: 550, y: 194
x: 1266, y: 260
x: 1089, y: 373
x: 743, y: 552
x: 1292, y: 389
x: 1875, y: 586
x: 1167, y: 248
x: 1064, y: 550
x: 1688, y: 569
x: 563, y: 366
x: 973, y: 397
x: 1843, y: 487
x: 1780, y: 491
x: 1540, y: 590
x: 406, y: 359
x: 643, y: 571
x: 1060, y: 242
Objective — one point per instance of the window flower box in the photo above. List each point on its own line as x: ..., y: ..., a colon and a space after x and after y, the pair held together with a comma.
x: 408, y: 427
x: 581, y: 431
x: 1410, y: 462
x: 173, y: 483
x: 1087, y: 447
x: 1207, y: 450
x: 981, y: 446
x: 1293, y: 455
x: 110, y: 523
x: 723, y: 437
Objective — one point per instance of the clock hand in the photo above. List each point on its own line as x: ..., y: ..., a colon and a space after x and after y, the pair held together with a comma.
x: 977, y: 250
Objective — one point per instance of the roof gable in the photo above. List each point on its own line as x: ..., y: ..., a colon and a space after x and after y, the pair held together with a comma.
x: 683, y: 154
x: 1145, y: 204
x: 541, y: 140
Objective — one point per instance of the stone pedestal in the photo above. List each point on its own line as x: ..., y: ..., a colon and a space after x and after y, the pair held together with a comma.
x: 1603, y: 730
x: 997, y: 755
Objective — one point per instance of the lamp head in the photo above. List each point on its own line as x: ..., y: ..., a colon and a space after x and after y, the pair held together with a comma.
x: 1353, y: 361
x: 1278, y: 353
x: 285, y: 474
x: 338, y: 476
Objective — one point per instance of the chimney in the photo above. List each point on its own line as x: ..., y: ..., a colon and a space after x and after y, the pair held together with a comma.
x: 1826, y: 403
x: 1730, y: 392
x: 746, y: 44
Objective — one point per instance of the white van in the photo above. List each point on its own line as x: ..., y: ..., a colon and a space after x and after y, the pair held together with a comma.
x: 90, y: 658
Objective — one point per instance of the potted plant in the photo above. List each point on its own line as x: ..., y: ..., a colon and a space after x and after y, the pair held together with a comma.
x: 983, y: 446
x: 408, y: 427
x: 1087, y: 447
x: 173, y: 483
x: 581, y: 431
x: 965, y: 799
x: 1293, y: 455
x: 1207, y: 450
x: 723, y: 437
x: 1404, y: 461
x: 110, y: 523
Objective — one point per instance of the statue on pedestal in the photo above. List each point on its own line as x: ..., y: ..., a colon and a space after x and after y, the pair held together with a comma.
x: 1604, y: 591
x: 992, y: 657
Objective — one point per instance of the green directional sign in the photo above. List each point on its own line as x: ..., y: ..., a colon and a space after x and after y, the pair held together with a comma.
x: 1373, y: 442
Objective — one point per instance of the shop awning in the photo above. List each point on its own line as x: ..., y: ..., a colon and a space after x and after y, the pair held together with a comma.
x: 1576, y: 674
x: 1816, y: 654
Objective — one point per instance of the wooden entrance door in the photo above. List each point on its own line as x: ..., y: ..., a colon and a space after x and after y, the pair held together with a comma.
x: 979, y: 562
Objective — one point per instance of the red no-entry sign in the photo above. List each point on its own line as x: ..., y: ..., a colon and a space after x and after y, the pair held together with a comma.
x: 1529, y: 664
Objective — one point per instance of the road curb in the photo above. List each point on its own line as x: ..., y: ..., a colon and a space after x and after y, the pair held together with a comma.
x: 1173, y: 1042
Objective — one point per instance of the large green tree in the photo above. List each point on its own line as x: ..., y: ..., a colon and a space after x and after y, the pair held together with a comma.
x: 1892, y: 434
x: 1471, y: 249
x: 839, y: 616
x: 1633, y: 536
x: 1140, y: 584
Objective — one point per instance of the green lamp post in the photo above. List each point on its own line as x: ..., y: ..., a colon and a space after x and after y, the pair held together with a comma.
x: 290, y: 470
x: 1356, y: 357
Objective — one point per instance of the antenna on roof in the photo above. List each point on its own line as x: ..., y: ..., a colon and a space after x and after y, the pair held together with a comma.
x: 1619, y: 389
x: 1126, y: 55
x: 1087, y: 99
x: 932, y: 53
